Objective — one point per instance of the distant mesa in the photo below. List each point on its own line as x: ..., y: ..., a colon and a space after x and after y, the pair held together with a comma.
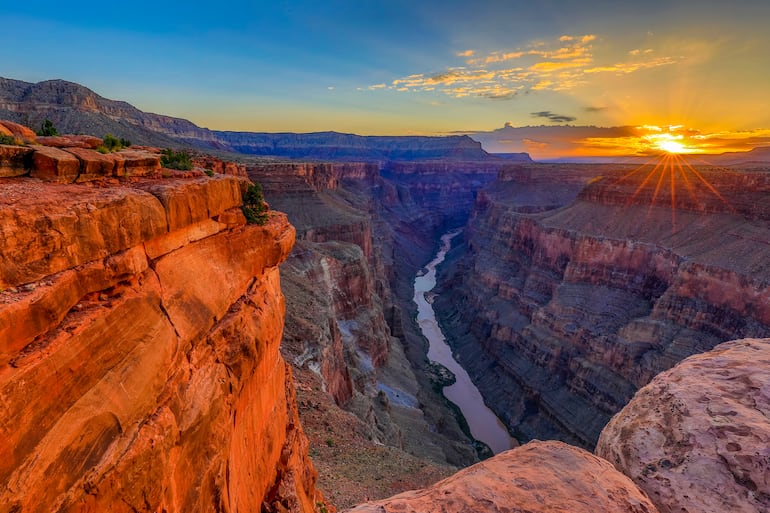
x: 75, y: 109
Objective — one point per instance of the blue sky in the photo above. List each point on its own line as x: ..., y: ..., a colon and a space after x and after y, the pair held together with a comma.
x: 400, y: 67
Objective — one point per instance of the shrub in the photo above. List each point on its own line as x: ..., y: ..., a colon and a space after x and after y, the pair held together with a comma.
x: 8, y: 139
x: 47, y: 129
x: 176, y: 160
x: 209, y: 172
x: 254, y: 206
x: 111, y: 143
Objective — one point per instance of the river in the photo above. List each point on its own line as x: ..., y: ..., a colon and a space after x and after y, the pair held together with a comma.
x: 483, y: 423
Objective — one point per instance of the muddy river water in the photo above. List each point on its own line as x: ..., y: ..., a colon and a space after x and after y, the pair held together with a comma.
x: 483, y: 423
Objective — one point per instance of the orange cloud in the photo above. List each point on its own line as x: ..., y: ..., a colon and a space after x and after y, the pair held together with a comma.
x: 558, y: 65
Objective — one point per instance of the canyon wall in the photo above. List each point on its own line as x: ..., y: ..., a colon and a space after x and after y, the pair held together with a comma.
x: 140, y: 323
x: 350, y: 331
x: 577, y: 285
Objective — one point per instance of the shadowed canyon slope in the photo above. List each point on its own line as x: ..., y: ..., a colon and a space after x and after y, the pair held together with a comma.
x: 140, y: 323
x: 576, y: 285
x: 363, y: 232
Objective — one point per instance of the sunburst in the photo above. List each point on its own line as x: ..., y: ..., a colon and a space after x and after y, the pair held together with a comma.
x: 670, y: 173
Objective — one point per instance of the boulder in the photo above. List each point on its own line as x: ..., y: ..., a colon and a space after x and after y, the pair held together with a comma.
x: 538, y: 477
x: 94, y: 165
x: 54, y: 165
x: 697, y: 438
x: 14, y: 160
x: 71, y: 141
x: 19, y: 131
x: 140, y: 162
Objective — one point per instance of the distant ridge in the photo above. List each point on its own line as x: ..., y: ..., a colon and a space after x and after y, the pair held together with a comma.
x: 74, y: 108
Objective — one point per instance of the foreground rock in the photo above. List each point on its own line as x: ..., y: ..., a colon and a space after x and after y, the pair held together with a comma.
x: 140, y: 323
x: 537, y: 477
x: 697, y: 438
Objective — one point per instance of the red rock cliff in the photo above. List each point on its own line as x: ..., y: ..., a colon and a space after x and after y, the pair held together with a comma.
x: 139, y: 351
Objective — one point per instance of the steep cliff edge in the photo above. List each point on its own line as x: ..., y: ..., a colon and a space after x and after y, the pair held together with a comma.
x: 140, y: 370
x: 571, y: 309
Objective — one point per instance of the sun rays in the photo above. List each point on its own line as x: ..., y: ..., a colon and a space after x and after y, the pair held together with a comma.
x: 669, y: 179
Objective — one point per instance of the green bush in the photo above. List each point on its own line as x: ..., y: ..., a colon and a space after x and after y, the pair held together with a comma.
x: 254, y: 206
x: 209, y: 172
x: 47, y: 129
x: 176, y: 160
x: 111, y: 143
x: 8, y: 139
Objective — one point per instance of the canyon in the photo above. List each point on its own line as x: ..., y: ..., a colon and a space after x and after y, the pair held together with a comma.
x: 147, y: 365
x: 576, y: 285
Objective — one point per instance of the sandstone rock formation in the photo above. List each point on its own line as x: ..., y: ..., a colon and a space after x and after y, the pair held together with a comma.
x: 697, y: 438
x: 540, y: 477
x: 140, y: 323
x: 20, y: 132
x: 578, y: 284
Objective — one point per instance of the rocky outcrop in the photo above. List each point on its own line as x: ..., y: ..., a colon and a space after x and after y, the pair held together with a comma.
x: 696, y: 438
x: 20, y: 132
x: 15, y: 160
x: 537, y: 477
x: 572, y: 309
x: 140, y: 370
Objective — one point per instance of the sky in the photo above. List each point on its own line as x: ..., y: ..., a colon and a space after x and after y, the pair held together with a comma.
x: 689, y: 76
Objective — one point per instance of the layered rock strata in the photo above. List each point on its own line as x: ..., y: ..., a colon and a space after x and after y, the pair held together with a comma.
x: 571, y: 309
x: 362, y: 237
x: 140, y: 369
x: 696, y: 438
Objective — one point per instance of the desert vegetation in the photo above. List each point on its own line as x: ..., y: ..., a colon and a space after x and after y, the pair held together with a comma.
x: 254, y: 206
x: 180, y: 160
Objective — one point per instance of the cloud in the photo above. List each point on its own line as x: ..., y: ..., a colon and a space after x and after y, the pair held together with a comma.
x: 561, y: 64
x: 558, y: 118
x: 592, y: 108
x: 622, y: 68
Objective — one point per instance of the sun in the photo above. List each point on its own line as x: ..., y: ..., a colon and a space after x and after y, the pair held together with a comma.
x: 673, y: 147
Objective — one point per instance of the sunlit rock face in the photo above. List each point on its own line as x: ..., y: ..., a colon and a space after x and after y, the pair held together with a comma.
x: 572, y: 297
x: 696, y: 438
x: 140, y: 369
x: 537, y: 477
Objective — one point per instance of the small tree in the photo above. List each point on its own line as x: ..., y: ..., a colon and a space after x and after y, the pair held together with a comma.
x: 47, y: 129
x: 254, y: 206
